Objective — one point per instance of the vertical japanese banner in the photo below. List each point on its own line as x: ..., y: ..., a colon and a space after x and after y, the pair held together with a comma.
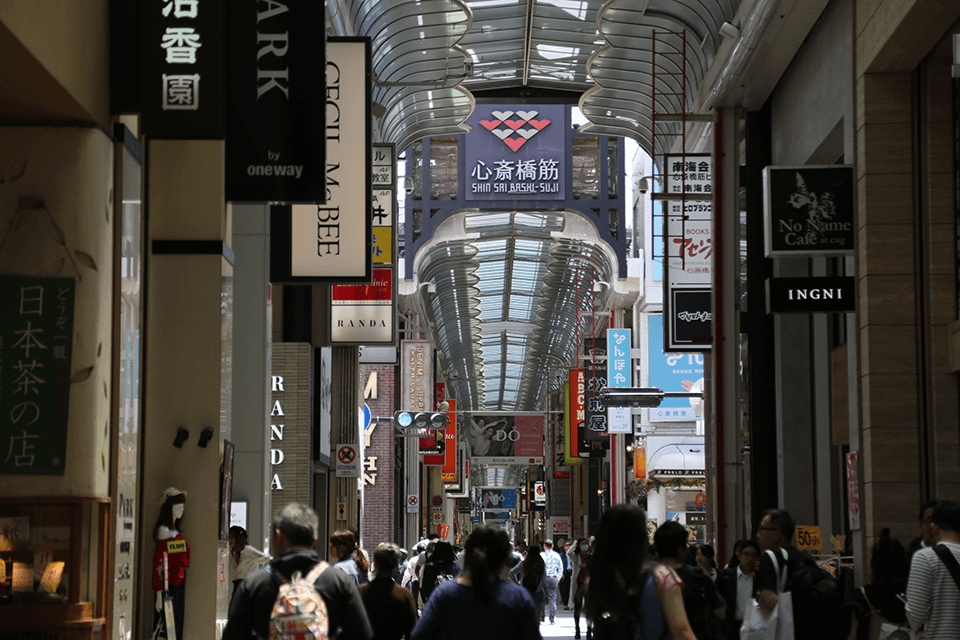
x: 853, y: 490
x: 639, y: 463
x: 688, y: 252
x: 36, y: 342
x: 593, y: 440
x: 448, y: 473
x: 181, y: 69
x: 618, y: 376
x: 575, y: 414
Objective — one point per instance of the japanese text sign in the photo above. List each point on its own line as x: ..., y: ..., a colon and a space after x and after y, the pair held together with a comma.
x: 618, y: 375
x: 181, y: 60
x: 36, y: 340
x: 516, y: 153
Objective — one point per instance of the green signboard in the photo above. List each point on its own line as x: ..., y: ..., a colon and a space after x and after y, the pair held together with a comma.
x: 36, y: 339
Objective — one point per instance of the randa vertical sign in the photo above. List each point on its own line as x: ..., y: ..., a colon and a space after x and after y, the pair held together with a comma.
x: 275, y: 143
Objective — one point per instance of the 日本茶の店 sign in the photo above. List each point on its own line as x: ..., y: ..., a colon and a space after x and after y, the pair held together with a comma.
x: 275, y: 143
x: 516, y: 152
x: 808, y: 211
x: 36, y: 343
x: 181, y: 74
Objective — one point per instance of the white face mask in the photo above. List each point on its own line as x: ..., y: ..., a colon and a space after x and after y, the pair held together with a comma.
x: 584, y: 547
x: 177, y: 512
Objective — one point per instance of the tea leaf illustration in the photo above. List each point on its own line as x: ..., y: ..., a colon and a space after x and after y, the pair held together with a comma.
x: 81, y: 375
x: 86, y: 260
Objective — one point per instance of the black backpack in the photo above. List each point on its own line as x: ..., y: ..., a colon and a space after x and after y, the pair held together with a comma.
x: 818, y: 602
x: 531, y: 582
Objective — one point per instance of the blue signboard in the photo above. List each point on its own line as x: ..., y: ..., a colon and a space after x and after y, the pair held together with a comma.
x: 672, y: 372
x: 516, y: 152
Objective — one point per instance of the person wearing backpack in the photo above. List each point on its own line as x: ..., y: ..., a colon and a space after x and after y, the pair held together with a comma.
x: 702, y: 601
x: 533, y: 572
x: 818, y: 610
x: 440, y: 567
x: 294, y: 535
x: 630, y: 597
x: 933, y: 588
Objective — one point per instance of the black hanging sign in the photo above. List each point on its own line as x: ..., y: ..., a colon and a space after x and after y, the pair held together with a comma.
x: 182, y: 69
x: 593, y: 443
x: 276, y: 139
x: 808, y: 211
x: 36, y: 344
x: 689, y: 320
x: 811, y: 295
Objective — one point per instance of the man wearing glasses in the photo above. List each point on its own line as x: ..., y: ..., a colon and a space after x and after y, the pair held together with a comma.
x: 736, y: 586
x: 776, y: 534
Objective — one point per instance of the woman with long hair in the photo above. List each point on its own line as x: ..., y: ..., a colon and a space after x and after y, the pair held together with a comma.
x: 479, y: 605
x: 533, y: 572
x: 707, y: 560
x: 626, y: 589
x: 347, y: 557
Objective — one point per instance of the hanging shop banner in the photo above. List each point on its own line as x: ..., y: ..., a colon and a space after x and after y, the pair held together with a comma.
x: 516, y: 152
x: 275, y: 143
x: 448, y: 472
x: 383, y: 202
x: 639, y: 463
x: 853, y: 490
x: 575, y: 414
x: 36, y: 345
x: 672, y: 371
x: 494, y: 499
x: 593, y: 436
x: 688, y: 241
x: 181, y: 76
x: 811, y: 295
x: 416, y: 375
x: 330, y: 243
x: 557, y: 433
x: 618, y: 376
x: 504, y: 439
x: 688, y: 251
x: 364, y: 313
x: 539, y: 494
x: 808, y: 211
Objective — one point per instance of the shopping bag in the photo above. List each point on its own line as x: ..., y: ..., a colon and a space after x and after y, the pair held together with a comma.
x: 760, y: 623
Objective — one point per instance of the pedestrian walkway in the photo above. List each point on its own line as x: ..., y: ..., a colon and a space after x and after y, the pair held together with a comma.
x: 564, y: 626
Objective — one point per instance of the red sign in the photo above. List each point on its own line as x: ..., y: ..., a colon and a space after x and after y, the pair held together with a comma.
x: 529, y: 436
x: 853, y: 490
x: 443, y: 530
x: 577, y: 410
x: 448, y: 473
x: 381, y: 289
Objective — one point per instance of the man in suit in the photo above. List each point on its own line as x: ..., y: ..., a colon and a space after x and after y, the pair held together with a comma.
x: 736, y: 586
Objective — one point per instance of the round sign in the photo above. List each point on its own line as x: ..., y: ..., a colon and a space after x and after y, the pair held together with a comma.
x: 437, y: 501
x: 346, y: 455
x: 413, y: 501
x: 367, y: 416
x: 437, y: 517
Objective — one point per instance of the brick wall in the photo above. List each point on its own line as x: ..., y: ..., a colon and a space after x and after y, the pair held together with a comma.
x: 379, y: 503
x: 292, y: 361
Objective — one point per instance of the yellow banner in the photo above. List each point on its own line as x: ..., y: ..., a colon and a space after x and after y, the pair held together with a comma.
x: 809, y: 538
x: 382, y: 245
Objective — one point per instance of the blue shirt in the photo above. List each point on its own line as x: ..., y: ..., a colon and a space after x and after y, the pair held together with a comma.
x: 554, y: 564
x: 452, y: 613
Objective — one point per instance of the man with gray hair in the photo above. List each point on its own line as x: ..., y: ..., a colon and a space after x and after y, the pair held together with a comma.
x: 294, y: 536
x: 554, y: 569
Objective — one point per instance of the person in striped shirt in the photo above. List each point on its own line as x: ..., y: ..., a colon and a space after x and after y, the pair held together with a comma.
x: 933, y: 595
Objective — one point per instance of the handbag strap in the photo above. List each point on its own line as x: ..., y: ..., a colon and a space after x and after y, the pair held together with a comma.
x: 781, y: 572
x: 947, y: 557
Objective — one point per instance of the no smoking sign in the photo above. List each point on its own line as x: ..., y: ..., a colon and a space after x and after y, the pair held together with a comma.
x: 413, y: 503
x: 348, y: 463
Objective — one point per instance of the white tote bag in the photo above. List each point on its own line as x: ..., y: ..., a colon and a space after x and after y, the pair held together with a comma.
x: 761, y: 624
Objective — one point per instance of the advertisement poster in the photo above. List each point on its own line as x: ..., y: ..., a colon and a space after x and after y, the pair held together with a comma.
x: 672, y: 372
x: 505, y: 439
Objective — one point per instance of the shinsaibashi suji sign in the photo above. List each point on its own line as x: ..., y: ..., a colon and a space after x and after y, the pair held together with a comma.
x: 516, y: 153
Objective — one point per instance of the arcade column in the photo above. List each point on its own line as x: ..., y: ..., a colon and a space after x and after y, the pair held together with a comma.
x: 187, y: 356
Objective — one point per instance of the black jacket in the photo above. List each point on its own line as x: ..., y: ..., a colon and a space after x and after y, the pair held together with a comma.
x: 254, y: 598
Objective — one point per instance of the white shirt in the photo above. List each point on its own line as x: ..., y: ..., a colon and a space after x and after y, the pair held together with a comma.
x: 744, y: 591
x: 932, y: 596
x: 250, y: 560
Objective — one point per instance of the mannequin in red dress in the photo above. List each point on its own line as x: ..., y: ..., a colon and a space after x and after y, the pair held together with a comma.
x: 169, y: 540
